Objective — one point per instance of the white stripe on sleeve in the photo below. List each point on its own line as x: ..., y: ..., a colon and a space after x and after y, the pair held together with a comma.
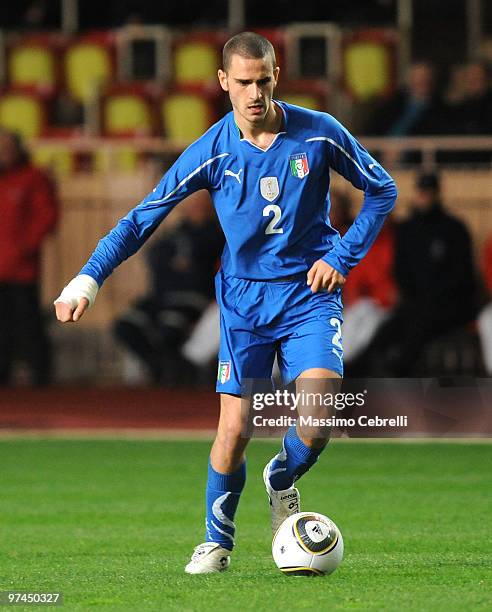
x: 186, y: 179
x: 340, y: 148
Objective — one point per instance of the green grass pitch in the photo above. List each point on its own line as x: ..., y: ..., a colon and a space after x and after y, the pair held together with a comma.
x: 111, y: 524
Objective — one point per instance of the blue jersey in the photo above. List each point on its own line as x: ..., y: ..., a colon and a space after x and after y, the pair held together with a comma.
x: 273, y: 205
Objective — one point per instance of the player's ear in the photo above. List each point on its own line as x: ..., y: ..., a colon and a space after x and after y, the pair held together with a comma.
x: 276, y: 71
x: 223, y: 79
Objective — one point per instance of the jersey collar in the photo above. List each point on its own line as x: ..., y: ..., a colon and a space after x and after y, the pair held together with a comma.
x: 283, y: 129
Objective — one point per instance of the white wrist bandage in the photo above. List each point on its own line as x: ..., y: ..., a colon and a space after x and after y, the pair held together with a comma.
x: 82, y: 286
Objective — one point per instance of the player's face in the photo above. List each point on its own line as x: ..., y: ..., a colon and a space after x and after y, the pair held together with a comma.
x: 250, y: 84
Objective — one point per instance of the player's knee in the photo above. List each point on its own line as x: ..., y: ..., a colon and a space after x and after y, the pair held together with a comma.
x: 232, y: 434
x: 231, y: 438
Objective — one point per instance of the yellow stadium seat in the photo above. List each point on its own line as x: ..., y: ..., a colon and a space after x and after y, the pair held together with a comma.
x: 124, y: 160
x: 127, y: 114
x: 22, y: 113
x: 369, y: 63
x: 306, y: 100
x: 367, y: 69
x: 309, y: 93
x: 87, y: 66
x: 185, y: 116
x: 195, y: 61
x: 56, y: 158
x: 32, y: 65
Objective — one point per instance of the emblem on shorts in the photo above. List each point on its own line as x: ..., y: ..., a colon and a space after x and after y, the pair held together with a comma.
x: 299, y: 165
x: 269, y: 188
x: 224, y: 371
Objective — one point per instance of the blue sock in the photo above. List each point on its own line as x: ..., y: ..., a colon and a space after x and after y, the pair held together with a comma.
x: 294, y: 460
x: 222, y: 497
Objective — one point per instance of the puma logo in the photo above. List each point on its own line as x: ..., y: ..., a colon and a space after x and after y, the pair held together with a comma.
x: 234, y: 174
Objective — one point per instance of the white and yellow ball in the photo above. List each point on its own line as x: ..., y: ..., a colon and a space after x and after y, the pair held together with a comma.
x: 307, y: 544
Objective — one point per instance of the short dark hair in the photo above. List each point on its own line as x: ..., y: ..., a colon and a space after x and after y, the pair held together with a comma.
x: 250, y: 45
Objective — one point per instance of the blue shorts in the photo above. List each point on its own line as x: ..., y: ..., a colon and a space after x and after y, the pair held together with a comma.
x: 260, y: 319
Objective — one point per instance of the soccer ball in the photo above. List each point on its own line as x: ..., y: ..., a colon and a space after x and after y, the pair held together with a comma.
x: 307, y: 544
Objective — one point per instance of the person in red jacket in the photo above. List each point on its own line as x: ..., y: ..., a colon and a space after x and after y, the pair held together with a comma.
x: 28, y: 212
x: 369, y: 294
x: 484, y: 321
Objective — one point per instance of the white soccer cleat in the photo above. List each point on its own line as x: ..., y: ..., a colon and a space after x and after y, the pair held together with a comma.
x: 208, y: 558
x: 282, y: 503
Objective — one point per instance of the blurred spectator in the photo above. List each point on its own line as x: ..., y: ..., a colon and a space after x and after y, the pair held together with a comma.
x: 414, y: 110
x: 28, y: 210
x: 369, y: 294
x: 435, y: 277
x: 40, y: 15
x: 472, y: 114
x: 369, y: 291
x: 34, y: 16
x: 202, y: 346
x: 340, y: 211
x: 485, y: 317
x: 468, y: 111
x: 455, y: 88
x: 182, y: 266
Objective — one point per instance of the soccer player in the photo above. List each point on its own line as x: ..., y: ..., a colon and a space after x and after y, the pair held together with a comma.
x: 267, y: 167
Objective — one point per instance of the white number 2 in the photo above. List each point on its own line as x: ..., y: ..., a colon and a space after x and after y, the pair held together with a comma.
x: 337, y: 336
x: 277, y: 213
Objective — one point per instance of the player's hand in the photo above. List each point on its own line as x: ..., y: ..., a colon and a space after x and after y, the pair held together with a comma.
x: 322, y: 276
x: 76, y: 298
x: 67, y: 314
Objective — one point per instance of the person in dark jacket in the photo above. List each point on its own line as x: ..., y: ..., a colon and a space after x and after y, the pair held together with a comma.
x: 414, y: 110
x: 436, y: 281
x: 28, y: 212
x: 470, y: 115
x: 473, y: 115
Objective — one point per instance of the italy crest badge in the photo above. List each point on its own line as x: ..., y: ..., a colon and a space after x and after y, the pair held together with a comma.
x: 299, y: 165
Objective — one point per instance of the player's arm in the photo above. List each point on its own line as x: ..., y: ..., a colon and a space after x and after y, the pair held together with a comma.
x: 191, y: 172
x: 349, y: 158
